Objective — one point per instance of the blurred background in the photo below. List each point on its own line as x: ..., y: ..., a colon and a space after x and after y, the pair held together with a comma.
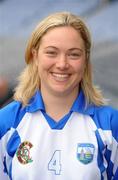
x: 19, y: 18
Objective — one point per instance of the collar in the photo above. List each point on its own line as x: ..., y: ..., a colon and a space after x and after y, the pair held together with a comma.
x: 36, y: 103
x: 79, y: 105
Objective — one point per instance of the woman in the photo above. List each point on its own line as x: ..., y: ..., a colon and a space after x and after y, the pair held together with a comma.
x: 58, y: 126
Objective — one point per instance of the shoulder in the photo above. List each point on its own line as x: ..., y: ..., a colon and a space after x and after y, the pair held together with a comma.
x: 106, y: 118
x: 9, y: 116
x: 106, y: 111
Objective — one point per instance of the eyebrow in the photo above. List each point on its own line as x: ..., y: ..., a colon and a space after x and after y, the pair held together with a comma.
x: 79, y: 49
x: 51, y: 47
x: 71, y: 49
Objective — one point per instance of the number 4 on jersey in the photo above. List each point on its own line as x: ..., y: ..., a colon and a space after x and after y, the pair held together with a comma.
x: 55, y: 162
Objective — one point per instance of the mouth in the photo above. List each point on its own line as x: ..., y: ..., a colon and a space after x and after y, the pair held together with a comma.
x: 60, y: 76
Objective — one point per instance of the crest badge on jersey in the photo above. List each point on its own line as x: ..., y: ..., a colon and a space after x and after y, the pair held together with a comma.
x: 23, y: 152
x: 85, y: 152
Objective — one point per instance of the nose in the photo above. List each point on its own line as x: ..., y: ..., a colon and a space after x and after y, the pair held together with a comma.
x: 62, y: 62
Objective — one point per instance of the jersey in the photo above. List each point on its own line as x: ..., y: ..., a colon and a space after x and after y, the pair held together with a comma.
x: 85, y: 147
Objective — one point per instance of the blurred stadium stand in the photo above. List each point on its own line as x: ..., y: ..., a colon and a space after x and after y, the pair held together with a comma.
x: 18, y: 19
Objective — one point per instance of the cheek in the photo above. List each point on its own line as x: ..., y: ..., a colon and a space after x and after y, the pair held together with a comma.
x: 44, y: 65
x: 79, y: 68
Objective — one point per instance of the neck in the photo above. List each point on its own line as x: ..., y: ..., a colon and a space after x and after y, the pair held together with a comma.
x: 57, y: 106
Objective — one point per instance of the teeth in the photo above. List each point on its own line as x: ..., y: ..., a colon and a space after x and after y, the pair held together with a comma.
x: 60, y: 75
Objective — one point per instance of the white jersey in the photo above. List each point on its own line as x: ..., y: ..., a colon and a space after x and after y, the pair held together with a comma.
x: 30, y: 149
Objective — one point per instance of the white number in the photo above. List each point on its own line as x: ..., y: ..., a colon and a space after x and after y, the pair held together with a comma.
x: 54, y: 163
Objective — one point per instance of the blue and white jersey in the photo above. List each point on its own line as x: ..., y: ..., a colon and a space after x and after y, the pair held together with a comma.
x: 82, y: 145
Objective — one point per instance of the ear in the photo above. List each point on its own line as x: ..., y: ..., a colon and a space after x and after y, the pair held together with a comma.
x: 35, y: 56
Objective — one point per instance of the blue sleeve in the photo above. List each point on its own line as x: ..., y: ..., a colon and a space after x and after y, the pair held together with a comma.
x: 106, y: 120
x: 112, y: 155
x: 10, y: 117
x: 114, y: 124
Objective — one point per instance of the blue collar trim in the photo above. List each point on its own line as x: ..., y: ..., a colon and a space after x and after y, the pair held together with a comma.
x: 36, y: 103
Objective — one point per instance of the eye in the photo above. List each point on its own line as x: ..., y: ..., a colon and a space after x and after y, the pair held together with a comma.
x: 74, y: 55
x: 51, y: 53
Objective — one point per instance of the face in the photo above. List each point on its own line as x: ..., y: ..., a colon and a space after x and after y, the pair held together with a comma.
x: 61, y: 61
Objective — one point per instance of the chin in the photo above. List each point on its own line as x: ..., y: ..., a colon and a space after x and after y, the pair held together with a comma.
x: 61, y: 92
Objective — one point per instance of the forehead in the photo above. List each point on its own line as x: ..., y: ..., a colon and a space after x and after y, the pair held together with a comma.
x: 64, y: 34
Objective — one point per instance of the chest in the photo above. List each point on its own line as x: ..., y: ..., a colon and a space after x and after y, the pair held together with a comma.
x: 45, y: 153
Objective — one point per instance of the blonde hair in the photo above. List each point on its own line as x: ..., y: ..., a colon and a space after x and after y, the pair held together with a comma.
x: 29, y: 80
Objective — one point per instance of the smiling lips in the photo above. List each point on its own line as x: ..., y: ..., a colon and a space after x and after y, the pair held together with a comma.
x: 60, y: 77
